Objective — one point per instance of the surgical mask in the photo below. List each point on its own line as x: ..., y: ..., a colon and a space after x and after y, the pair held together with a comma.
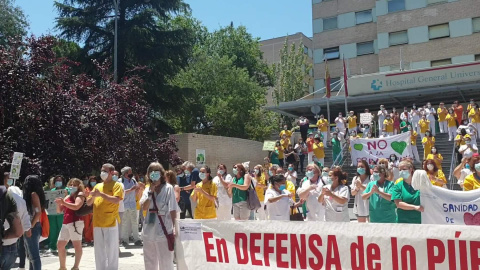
x: 115, y: 178
x: 310, y: 174
x: 361, y: 171
x: 324, y: 174
x: 414, y: 106
x: 329, y: 181
x: 430, y: 167
x: 85, y: 183
x: 282, y: 187
x: 73, y: 190
x: 434, y: 151
x: 409, y: 128
x: 376, y: 176
x: 477, y: 167
x: 221, y: 172
x: 202, y: 176
x: 10, y: 182
x: 392, y: 158
x: 467, y: 166
x: 405, y: 174
x: 187, y: 172
x: 155, y: 176
x: 290, y: 169
x: 92, y: 184
x: 58, y: 184
x: 256, y: 171
x: 235, y: 171
x: 104, y: 175
x: 270, y: 173
x: 427, y: 133
x: 429, y: 105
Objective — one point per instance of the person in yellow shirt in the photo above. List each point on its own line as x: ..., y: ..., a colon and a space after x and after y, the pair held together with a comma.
x: 470, y: 105
x: 322, y: 125
x: 260, y: 187
x: 105, y: 198
x: 279, y: 154
x: 451, y: 119
x: 472, y: 181
x: 413, y: 138
x: 205, y: 195
x: 352, y: 121
x: 474, y: 116
x: 424, y: 124
x: 436, y: 176
x: 442, y: 121
x: 318, y: 151
x: 428, y: 142
x: 388, y: 126
x: 286, y: 132
x: 437, y: 157
x: 285, y: 141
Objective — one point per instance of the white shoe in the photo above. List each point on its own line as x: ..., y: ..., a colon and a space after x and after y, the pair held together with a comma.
x: 20, y: 268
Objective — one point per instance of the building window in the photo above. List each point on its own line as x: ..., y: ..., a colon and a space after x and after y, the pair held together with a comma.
x: 397, y: 38
x: 333, y: 81
x: 476, y: 24
x: 365, y: 48
x: 305, y: 50
x: 363, y: 16
x: 441, y: 62
x: 396, y: 5
x: 477, y: 57
x: 431, y: 2
x: 330, y: 23
x: 332, y: 53
x: 396, y: 67
x: 438, y: 31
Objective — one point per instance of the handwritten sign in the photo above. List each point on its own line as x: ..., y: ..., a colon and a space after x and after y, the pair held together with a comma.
x: 50, y: 197
x: 268, y: 146
x: 366, y: 118
x: 16, y: 165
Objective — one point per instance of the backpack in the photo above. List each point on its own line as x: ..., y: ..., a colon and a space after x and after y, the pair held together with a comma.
x: 85, y: 209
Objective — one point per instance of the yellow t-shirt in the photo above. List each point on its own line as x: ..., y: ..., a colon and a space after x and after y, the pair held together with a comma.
x: 290, y: 187
x: 451, y: 120
x: 388, y: 125
x: 413, y: 137
x: 437, y: 162
x: 440, y: 175
x: 474, y: 115
x: 280, y: 152
x: 427, y: 146
x: 470, y: 183
x: 205, y: 208
x: 105, y: 213
x: 322, y: 125
x: 442, y: 113
x: 469, y: 107
x: 260, y: 191
x: 424, y: 125
x: 318, y: 150
x: 462, y: 140
x: 352, y: 121
x: 286, y: 132
x: 285, y: 143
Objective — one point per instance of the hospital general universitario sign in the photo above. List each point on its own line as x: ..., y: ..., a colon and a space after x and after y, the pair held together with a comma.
x: 414, y: 79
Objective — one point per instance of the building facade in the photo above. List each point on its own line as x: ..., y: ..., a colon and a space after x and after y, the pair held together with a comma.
x: 271, y: 49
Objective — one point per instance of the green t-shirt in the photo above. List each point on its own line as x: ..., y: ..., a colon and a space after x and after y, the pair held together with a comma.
x: 336, y: 145
x: 404, y: 126
x: 381, y: 210
x: 238, y: 195
x: 405, y: 192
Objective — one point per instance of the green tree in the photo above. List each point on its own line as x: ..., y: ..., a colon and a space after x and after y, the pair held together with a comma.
x: 13, y: 22
x: 292, y: 73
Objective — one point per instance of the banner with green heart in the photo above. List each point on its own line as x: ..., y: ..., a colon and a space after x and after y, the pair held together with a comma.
x: 399, y: 147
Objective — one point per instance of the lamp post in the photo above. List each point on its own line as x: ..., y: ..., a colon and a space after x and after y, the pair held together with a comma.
x: 115, y: 47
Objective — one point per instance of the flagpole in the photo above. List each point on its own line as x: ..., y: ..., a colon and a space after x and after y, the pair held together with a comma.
x: 345, y: 79
x: 328, y: 112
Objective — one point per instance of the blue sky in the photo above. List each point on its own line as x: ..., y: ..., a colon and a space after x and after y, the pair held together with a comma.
x: 263, y: 18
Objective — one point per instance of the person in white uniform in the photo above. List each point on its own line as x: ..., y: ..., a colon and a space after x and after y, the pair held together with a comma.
x: 278, y: 200
x: 335, y: 197
x: 415, y: 114
x: 224, y: 210
x: 358, y: 186
x: 310, y: 189
x: 382, y: 113
x: 159, y: 202
x: 340, y: 122
x: 430, y: 112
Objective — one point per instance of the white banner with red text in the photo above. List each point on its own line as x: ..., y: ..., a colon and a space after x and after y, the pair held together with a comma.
x: 373, y: 149
x: 211, y: 244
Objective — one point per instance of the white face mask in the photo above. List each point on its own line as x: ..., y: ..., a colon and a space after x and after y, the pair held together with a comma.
x: 104, y: 175
x: 434, y: 151
x: 430, y: 167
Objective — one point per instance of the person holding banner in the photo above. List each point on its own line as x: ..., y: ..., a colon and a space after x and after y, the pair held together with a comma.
x: 436, y: 176
x: 358, y: 186
x: 335, y: 197
x: 310, y: 189
x: 381, y: 207
x: 406, y: 198
x: 278, y: 199
x: 238, y: 190
x: 224, y: 199
x: 472, y: 181
x: 428, y: 142
x: 205, y: 195
x: 388, y: 126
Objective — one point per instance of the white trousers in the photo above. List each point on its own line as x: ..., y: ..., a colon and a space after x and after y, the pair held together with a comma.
x: 443, y: 127
x: 106, y: 248
x: 157, y: 256
x: 380, y: 127
x: 477, y: 126
x: 325, y: 138
x: 130, y: 225
x: 432, y: 127
x: 120, y: 214
x: 260, y: 214
x: 224, y: 212
x: 389, y: 134
x: 452, y: 133
x: 310, y: 158
x: 415, y: 153
x: 422, y: 135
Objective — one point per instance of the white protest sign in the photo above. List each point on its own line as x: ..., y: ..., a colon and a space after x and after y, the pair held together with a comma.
x: 374, y: 149
x: 324, y: 245
x: 16, y: 165
x: 50, y: 197
x: 366, y: 118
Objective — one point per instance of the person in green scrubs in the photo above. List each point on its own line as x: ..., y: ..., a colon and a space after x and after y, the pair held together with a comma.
x: 55, y: 220
x: 382, y: 209
x: 336, y: 147
x: 406, y: 198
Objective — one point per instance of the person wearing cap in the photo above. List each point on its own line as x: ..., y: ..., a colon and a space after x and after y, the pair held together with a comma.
x: 310, y: 142
x: 323, y: 125
x: 319, y: 151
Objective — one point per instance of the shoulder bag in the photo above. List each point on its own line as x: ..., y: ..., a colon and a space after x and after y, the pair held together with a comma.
x: 253, y: 203
x: 170, y: 237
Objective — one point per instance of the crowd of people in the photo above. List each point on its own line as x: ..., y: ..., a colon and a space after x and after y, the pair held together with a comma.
x: 107, y: 211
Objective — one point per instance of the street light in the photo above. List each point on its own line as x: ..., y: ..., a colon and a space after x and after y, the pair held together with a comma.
x: 115, y: 48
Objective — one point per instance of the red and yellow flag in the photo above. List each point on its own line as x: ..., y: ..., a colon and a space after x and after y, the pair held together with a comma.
x: 328, y: 89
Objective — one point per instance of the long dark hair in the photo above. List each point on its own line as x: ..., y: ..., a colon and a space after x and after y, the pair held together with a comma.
x: 33, y: 184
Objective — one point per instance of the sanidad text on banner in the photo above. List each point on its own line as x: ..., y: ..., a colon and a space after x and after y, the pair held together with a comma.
x: 320, y: 245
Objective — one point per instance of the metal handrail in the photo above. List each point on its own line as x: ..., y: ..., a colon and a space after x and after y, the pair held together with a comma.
x: 452, y: 166
x: 342, y: 154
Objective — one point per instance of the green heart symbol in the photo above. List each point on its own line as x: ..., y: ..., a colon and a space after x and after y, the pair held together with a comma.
x: 399, y: 147
x: 358, y: 146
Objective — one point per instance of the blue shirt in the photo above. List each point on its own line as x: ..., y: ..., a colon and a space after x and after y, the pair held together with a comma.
x: 129, y: 200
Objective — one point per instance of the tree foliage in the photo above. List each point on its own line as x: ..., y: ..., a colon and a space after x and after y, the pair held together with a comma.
x: 72, y: 124
x: 13, y: 22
